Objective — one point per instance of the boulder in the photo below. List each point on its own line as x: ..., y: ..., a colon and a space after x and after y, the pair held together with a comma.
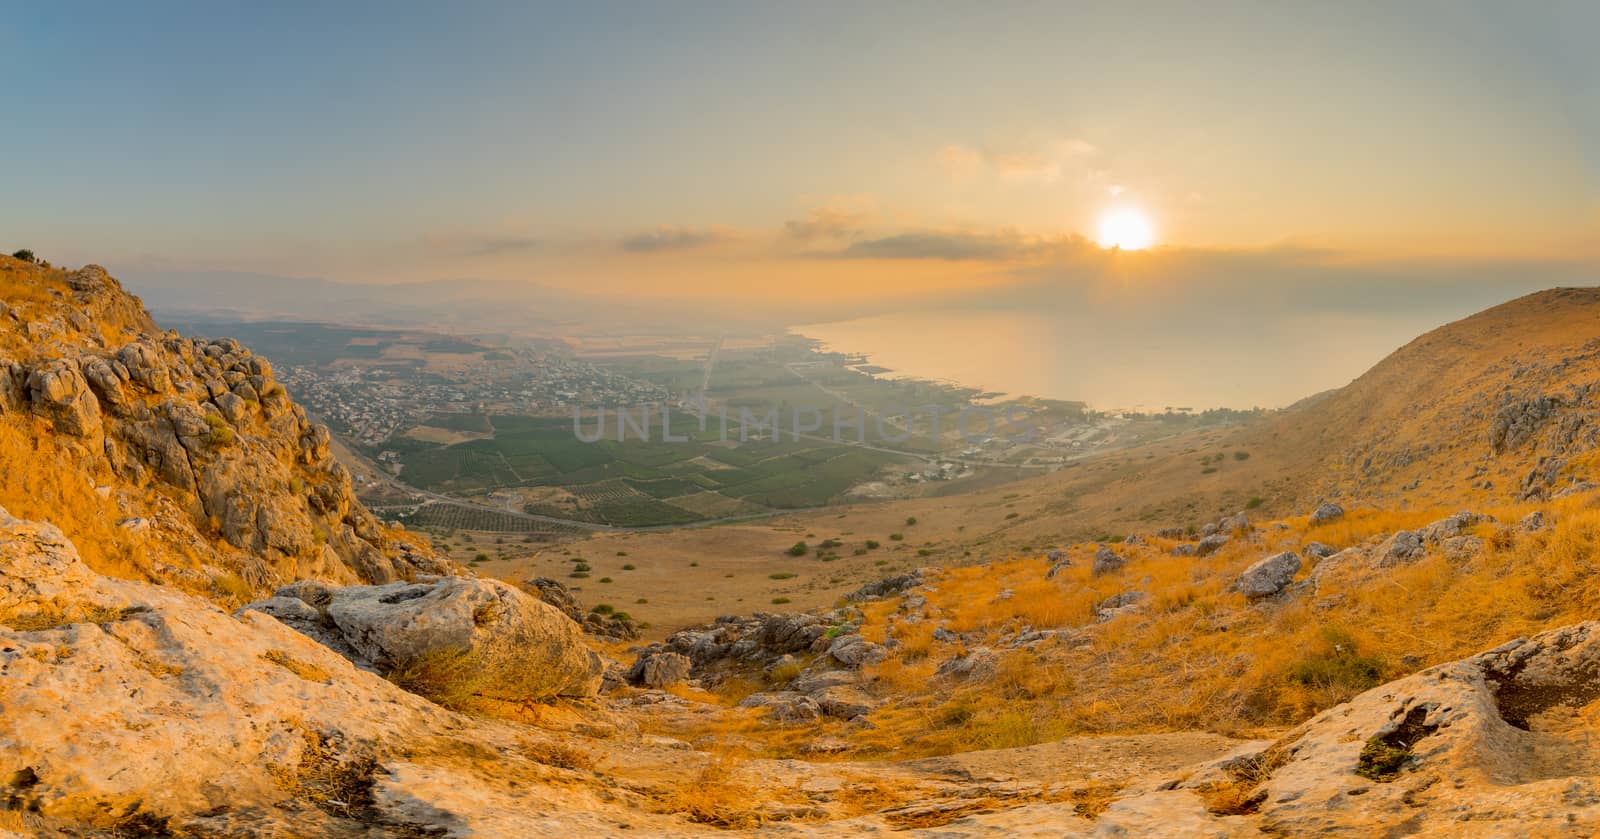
x: 1327, y: 511
x: 1319, y: 550
x: 1124, y: 603
x: 785, y: 706
x: 854, y: 651
x: 1107, y: 561
x: 659, y: 669
x: 516, y: 648
x: 1268, y: 576
x: 1210, y: 544
x: 1403, y: 547
x: 1451, y: 526
x: 58, y: 392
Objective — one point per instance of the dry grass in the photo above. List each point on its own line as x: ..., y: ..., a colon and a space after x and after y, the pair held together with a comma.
x: 714, y: 796
x: 309, y: 672
x: 1201, y: 657
x: 55, y: 618
x: 326, y: 774
x: 558, y: 753
x: 21, y: 822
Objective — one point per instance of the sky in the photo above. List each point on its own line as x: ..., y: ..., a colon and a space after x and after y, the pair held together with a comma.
x: 825, y: 159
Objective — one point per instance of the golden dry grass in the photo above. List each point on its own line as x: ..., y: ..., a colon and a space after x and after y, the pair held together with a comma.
x: 309, y: 672
x: 1199, y: 656
x: 714, y: 795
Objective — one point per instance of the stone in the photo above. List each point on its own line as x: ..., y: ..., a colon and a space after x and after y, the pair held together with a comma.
x: 1403, y: 547
x: 659, y: 669
x: 516, y: 647
x: 1211, y: 544
x: 1107, y: 561
x: 1327, y: 511
x: 1124, y: 603
x: 854, y: 651
x: 784, y: 706
x: 1268, y: 576
x: 1319, y: 550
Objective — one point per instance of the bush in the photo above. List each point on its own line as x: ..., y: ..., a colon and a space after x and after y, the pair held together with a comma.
x: 1254, y: 502
x: 779, y: 601
x: 605, y: 579
x: 872, y: 544
x: 1338, y: 667
x: 24, y: 254
x: 798, y: 549
x: 896, y: 537
x: 628, y: 566
x: 780, y: 575
x: 1241, y: 455
x: 602, y: 609
x: 785, y: 672
x: 911, y: 521
x: 219, y: 434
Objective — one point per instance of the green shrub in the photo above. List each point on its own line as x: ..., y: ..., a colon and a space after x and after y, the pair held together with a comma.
x: 780, y: 575
x: 798, y: 549
x: 1338, y: 666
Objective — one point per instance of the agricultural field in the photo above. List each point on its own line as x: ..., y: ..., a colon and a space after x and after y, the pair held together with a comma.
x: 635, y: 482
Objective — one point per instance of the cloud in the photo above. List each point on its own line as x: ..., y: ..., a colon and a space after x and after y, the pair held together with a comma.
x: 1043, y: 164
x: 670, y: 237
x: 941, y: 246
x: 826, y: 223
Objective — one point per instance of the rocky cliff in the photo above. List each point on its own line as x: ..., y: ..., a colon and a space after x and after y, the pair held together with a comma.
x: 137, y: 431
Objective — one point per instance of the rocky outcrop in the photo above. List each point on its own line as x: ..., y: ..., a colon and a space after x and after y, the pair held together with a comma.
x: 134, y: 710
x: 886, y: 587
x: 1474, y: 747
x: 602, y: 623
x: 202, y: 423
x: 513, y: 647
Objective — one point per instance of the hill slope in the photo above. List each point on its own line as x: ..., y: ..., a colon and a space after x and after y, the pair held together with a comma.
x: 120, y: 432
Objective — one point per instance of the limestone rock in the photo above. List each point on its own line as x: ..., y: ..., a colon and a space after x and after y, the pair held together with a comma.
x: 1107, y: 561
x: 1318, y: 550
x: 1327, y: 511
x: 659, y: 669
x: 516, y: 647
x: 1268, y: 576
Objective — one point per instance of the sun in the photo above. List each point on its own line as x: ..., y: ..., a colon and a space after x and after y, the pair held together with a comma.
x: 1127, y: 228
